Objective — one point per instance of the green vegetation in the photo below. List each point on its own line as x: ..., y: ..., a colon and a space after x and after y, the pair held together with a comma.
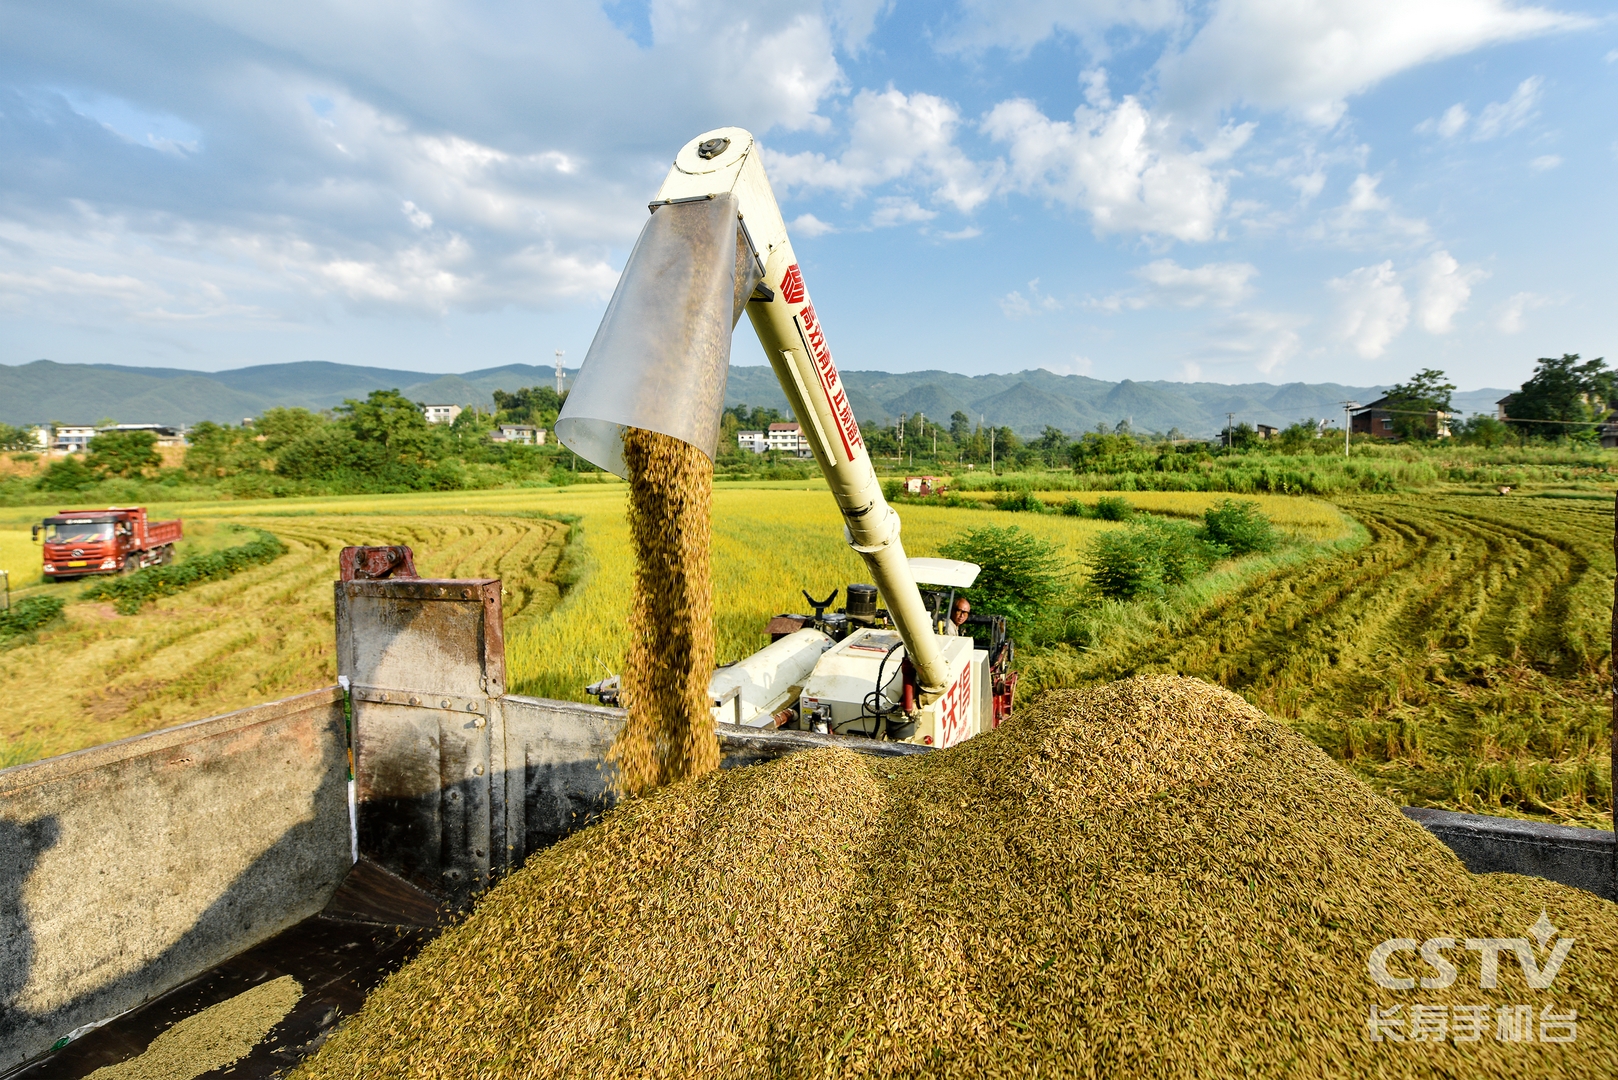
x: 1020, y: 572
x: 1148, y: 558
x: 1238, y: 528
x: 28, y: 615
x: 131, y: 592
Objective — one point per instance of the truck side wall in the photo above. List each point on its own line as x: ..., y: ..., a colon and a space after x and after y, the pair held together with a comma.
x: 130, y: 868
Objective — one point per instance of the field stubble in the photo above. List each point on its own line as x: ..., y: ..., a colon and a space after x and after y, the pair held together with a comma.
x: 1458, y: 658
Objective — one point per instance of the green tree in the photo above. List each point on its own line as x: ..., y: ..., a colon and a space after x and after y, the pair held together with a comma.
x: 537, y: 405
x: 1563, y: 390
x: 16, y: 438
x: 1052, y: 445
x: 389, y: 419
x: 1484, y: 430
x: 1020, y: 572
x: 279, y: 427
x: 123, y: 453
x: 960, y: 427
x: 222, y: 450
x: 1413, y: 404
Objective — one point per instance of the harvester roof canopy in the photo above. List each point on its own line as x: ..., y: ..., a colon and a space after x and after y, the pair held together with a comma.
x: 949, y: 573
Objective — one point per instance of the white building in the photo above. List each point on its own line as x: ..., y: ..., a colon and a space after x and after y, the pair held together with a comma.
x: 441, y: 414
x: 789, y: 439
x: 73, y: 438
x: 756, y: 441
x: 42, y: 436
x: 525, y: 434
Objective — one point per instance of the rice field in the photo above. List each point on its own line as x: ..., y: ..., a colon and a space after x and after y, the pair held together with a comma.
x: 263, y: 634
x: 267, y: 632
x: 1458, y: 658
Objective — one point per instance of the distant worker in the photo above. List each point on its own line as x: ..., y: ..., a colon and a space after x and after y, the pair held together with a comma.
x: 957, y: 617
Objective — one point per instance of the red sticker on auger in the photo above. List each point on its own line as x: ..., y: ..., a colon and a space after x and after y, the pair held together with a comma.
x: 814, y: 342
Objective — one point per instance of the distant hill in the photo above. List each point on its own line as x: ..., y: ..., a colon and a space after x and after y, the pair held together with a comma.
x: 1026, y: 401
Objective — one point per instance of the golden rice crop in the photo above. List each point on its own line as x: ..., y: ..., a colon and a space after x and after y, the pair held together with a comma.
x: 262, y: 634
x: 669, y: 732
x: 1150, y: 879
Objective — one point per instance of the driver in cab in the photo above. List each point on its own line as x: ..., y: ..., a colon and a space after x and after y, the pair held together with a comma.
x: 957, y: 617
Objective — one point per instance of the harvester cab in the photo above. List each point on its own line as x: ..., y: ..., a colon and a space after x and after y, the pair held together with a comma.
x: 716, y: 246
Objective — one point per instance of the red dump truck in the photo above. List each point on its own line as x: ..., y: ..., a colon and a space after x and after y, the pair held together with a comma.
x: 110, y: 541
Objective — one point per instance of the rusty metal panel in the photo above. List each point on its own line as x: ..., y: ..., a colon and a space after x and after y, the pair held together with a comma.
x: 428, y: 636
x: 425, y: 660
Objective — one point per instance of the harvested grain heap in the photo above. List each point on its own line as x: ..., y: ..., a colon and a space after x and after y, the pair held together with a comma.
x: 1147, y: 879
x: 669, y: 735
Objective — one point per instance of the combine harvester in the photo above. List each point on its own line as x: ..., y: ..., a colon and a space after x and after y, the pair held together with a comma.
x: 716, y: 245
x: 326, y: 837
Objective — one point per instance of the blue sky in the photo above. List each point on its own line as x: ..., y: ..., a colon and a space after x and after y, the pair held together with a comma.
x: 1233, y: 191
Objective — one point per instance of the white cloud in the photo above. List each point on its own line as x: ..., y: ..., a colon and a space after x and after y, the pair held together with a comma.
x: 1445, y: 290
x: 1309, y: 56
x: 1373, y: 309
x: 892, y: 136
x: 1504, y: 117
x: 899, y: 210
x: 1449, y: 125
x: 1165, y: 283
x: 1017, y: 306
x: 1367, y: 219
x: 1512, y: 314
x: 414, y: 214
x: 1545, y: 162
x: 1264, y: 339
x: 1120, y: 165
x: 962, y: 234
x: 810, y: 226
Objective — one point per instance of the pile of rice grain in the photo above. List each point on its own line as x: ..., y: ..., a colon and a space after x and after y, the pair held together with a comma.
x: 669, y: 735
x: 1148, y: 879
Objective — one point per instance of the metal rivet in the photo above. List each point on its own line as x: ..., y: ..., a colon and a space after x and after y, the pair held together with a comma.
x: 444, y: 704
x: 414, y: 700
x: 466, y: 594
x: 477, y: 770
x: 471, y: 706
x: 479, y: 722
x: 382, y: 697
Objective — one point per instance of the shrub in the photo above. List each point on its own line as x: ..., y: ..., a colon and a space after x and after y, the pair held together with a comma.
x: 1238, y: 527
x: 129, y: 594
x: 1114, y: 508
x: 1074, y: 508
x: 1020, y: 571
x: 1021, y: 501
x: 29, y: 614
x: 69, y: 474
x: 1147, y: 558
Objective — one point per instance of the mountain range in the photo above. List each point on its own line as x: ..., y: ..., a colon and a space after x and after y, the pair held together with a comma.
x: 1026, y: 401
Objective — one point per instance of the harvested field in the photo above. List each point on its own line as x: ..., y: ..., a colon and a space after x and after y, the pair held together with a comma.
x: 1149, y: 879
x: 1457, y: 659
x: 262, y: 634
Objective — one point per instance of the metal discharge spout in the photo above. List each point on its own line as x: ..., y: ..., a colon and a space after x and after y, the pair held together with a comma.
x: 661, y: 355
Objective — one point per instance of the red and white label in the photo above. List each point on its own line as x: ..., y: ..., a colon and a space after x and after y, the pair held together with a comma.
x: 814, y: 342
x: 792, y: 285
x: 955, y: 709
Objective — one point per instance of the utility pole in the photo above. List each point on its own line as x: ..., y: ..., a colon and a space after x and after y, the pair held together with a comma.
x: 559, y: 354
x: 901, y: 437
x: 1230, y: 431
x: 1347, y: 422
x: 991, y: 451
